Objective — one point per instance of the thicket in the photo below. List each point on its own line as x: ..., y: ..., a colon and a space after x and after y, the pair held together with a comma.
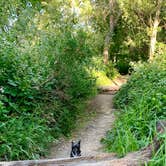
x: 141, y: 103
x: 44, y: 81
x: 41, y: 88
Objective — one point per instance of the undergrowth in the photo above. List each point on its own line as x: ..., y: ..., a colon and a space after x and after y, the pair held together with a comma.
x: 42, y: 91
x: 141, y: 103
x: 103, y: 73
x: 44, y: 83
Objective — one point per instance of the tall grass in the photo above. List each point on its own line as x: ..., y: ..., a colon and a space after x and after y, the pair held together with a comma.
x: 141, y: 103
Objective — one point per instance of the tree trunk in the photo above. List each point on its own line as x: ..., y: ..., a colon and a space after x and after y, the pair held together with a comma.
x: 112, y: 23
x: 106, y: 48
x: 153, y: 36
x: 153, y: 40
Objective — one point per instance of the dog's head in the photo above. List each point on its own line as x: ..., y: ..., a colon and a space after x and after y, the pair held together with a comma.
x: 75, y: 149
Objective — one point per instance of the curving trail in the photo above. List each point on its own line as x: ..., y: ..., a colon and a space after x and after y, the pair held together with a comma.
x: 96, y: 128
x: 91, y: 134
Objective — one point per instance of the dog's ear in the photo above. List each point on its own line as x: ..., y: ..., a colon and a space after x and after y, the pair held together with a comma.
x: 72, y: 143
x: 79, y: 142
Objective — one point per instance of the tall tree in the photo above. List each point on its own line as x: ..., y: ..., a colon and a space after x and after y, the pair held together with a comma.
x: 106, y: 15
x: 151, y: 15
x: 154, y: 29
x: 113, y: 18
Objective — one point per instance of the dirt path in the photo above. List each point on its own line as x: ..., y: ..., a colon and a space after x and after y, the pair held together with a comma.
x: 91, y: 134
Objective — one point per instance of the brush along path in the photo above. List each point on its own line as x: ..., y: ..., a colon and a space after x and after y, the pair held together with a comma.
x: 96, y: 128
x: 90, y: 135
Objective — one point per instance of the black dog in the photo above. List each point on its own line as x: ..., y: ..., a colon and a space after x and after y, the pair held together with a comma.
x: 75, y: 149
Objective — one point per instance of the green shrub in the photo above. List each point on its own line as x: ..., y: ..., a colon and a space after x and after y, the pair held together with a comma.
x: 24, y: 137
x: 123, y: 66
x: 103, y: 73
x: 41, y: 89
x: 142, y: 102
x: 110, y: 70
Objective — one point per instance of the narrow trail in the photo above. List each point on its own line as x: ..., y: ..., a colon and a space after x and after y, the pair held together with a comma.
x: 91, y: 134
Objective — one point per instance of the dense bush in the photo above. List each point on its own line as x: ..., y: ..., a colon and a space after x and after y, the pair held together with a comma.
x: 42, y: 86
x: 142, y: 102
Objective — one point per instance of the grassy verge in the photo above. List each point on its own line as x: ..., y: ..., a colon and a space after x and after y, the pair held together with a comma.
x: 141, y: 103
